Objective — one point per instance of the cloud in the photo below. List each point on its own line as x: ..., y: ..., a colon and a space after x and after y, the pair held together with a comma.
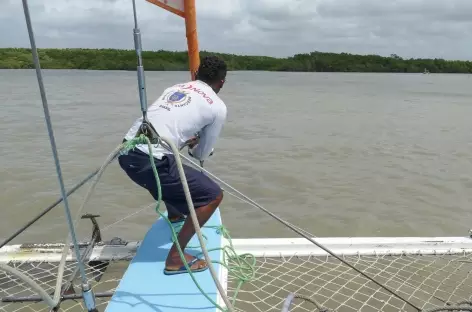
x: 410, y: 28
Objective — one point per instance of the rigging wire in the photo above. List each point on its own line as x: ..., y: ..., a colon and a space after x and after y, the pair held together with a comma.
x: 88, y: 295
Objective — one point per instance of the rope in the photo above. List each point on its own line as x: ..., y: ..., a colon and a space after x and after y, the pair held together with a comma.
x: 241, y: 267
x: 48, y: 209
x: 244, y: 268
x: 196, y: 225
x: 289, y: 300
x: 303, y: 234
x: 251, y: 204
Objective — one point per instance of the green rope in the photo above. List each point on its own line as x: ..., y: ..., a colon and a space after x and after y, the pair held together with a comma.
x: 242, y: 267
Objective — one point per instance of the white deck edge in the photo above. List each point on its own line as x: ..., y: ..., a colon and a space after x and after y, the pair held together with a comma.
x: 265, y: 247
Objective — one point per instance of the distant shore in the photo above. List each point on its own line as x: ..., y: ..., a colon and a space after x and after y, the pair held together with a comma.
x: 112, y: 59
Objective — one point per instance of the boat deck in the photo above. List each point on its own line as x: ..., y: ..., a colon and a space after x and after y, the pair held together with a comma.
x: 144, y: 287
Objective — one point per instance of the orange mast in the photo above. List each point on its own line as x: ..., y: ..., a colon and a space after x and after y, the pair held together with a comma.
x: 185, y: 9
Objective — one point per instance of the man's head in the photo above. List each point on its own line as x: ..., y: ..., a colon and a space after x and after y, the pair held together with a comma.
x: 212, y: 70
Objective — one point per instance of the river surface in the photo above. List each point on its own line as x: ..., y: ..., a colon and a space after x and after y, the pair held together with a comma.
x: 336, y: 154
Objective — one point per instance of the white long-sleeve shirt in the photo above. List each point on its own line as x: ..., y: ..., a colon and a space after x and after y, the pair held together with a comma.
x: 182, y: 111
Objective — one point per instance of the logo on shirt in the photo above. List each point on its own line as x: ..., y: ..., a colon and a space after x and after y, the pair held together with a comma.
x: 177, y: 99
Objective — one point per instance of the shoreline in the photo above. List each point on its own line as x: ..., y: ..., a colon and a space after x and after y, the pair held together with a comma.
x: 125, y: 60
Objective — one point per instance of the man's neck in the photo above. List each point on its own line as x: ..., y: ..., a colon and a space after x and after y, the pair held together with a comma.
x: 203, y: 82
x: 206, y: 84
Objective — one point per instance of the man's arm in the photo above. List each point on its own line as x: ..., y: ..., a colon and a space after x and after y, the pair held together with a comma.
x: 209, y: 135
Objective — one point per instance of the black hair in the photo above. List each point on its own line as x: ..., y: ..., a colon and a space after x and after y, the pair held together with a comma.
x: 212, y: 69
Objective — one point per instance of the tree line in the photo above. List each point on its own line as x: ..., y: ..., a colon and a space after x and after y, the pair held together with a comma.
x: 113, y: 59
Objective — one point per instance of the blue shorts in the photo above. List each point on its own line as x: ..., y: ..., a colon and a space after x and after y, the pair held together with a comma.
x: 203, y: 190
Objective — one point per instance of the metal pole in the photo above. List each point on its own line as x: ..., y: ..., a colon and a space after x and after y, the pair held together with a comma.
x: 140, y: 69
x: 89, y: 298
x: 63, y: 297
x: 146, y: 127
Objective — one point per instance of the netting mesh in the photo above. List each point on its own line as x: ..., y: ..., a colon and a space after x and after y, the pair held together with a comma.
x: 104, y: 277
x: 426, y: 281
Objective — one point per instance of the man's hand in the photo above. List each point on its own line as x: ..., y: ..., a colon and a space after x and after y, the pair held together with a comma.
x: 192, y: 142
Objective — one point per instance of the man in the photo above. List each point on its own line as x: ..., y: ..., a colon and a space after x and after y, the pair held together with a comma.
x: 180, y: 113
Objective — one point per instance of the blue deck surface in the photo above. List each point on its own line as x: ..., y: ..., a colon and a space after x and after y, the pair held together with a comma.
x: 144, y: 287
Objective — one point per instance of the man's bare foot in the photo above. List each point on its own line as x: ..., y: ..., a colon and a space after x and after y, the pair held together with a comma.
x: 174, y: 263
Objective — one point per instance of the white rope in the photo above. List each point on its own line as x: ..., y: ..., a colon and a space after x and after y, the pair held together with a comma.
x: 108, y: 226
x: 195, y: 222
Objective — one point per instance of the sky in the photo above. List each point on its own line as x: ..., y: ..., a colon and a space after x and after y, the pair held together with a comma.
x: 280, y: 28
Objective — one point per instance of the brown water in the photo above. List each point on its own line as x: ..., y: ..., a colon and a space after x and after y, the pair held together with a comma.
x: 336, y: 154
